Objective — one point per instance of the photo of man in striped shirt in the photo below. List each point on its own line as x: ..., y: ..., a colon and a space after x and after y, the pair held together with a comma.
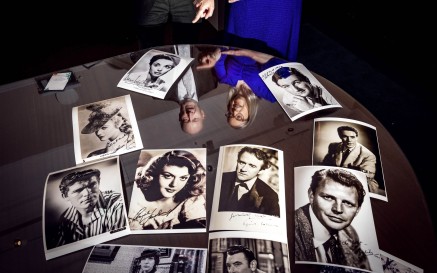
x: 92, y: 211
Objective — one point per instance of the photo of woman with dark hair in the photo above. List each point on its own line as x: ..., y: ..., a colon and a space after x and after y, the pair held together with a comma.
x: 169, y: 191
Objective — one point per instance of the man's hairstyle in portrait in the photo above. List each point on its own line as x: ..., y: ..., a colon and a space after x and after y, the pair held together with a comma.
x: 259, y: 154
x: 346, y: 128
x: 73, y: 177
x: 147, y: 253
x: 232, y: 250
x: 343, y: 177
x: 285, y: 72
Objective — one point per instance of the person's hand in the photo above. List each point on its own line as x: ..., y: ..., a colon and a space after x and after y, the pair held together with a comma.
x: 301, y: 104
x: 259, y: 57
x: 205, y: 9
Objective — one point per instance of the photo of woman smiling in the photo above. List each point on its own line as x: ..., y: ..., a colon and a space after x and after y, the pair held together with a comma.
x: 169, y: 190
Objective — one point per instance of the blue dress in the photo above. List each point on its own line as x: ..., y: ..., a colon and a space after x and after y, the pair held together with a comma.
x: 230, y: 69
x: 276, y: 23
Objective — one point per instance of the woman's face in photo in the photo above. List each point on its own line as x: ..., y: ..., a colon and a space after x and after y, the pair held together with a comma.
x: 172, y: 179
x: 160, y: 67
x: 108, y: 131
x: 295, y: 86
x: 238, y: 112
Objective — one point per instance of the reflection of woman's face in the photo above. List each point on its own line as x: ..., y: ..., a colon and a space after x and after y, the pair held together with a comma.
x: 108, y: 131
x: 172, y: 179
x: 295, y: 86
x: 238, y: 111
x: 147, y: 264
x: 160, y: 67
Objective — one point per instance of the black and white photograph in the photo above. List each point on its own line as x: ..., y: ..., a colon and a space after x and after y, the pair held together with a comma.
x: 154, y: 73
x: 145, y: 259
x: 249, y: 189
x: 83, y: 206
x: 169, y: 193
x: 392, y: 264
x: 105, y: 128
x: 350, y: 144
x: 297, y: 91
x: 334, y: 222
x: 244, y: 252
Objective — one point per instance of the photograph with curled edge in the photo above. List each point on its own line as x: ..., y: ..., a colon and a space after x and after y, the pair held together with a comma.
x: 112, y: 258
x: 169, y: 192
x: 333, y: 219
x: 105, y: 128
x: 249, y: 191
x: 297, y: 91
x: 155, y: 73
x: 83, y: 206
x: 240, y: 251
x: 350, y: 144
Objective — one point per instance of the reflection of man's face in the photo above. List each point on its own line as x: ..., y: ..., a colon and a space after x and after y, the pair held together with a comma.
x: 334, y: 205
x: 172, y: 179
x: 160, y: 67
x: 237, y: 263
x: 108, y: 131
x: 191, y: 117
x: 147, y: 264
x: 84, y: 194
x: 349, y: 138
x: 295, y: 86
x: 248, y: 166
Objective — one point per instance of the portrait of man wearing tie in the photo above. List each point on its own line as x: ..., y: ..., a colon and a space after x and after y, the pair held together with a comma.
x: 323, y: 230
x: 242, y: 190
x: 349, y: 153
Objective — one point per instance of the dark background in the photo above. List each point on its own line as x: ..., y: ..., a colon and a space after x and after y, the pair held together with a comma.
x: 380, y: 52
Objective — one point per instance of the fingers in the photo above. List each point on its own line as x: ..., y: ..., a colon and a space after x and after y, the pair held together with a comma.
x: 205, y: 9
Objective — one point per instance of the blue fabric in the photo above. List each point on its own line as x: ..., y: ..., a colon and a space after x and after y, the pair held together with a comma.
x: 275, y: 22
x: 230, y: 69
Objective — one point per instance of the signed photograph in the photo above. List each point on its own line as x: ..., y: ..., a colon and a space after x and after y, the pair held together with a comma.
x: 247, y: 252
x: 333, y: 219
x: 83, y: 206
x: 111, y: 258
x: 297, y: 91
x: 392, y: 264
x: 154, y: 73
x: 169, y: 193
x: 350, y: 144
x: 105, y: 128
x: 249, y: 189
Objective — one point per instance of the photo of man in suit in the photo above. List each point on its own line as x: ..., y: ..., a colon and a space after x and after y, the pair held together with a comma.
x: 349, y: 153
x: 242, y: 190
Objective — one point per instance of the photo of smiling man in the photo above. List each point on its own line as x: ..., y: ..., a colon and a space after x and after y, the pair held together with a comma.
x: 335, y: 225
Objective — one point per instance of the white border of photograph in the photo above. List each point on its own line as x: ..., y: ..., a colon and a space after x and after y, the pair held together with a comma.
x: 253, y: 222
x: 55, y: 205
x: 397, y: 265
x: 279, y: 92
x: 371, y: 142
x: 87, y: 143
x: 363, y: 223
x: 259, y: 239
x: 151, y: 155
x: 142, y: 66
x: 126, y: 255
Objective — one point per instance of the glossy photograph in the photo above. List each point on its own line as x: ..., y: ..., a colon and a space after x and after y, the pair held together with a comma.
x: 231, y: 252
x: 154, y: 73
x: 333, y: 219
x: 110, y: 258
x: 350, y: 144
x: 249, y: 189
x: 169, y: 192
x: 105, y: 128
x: 83, y: 206
x: 297, y: 91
